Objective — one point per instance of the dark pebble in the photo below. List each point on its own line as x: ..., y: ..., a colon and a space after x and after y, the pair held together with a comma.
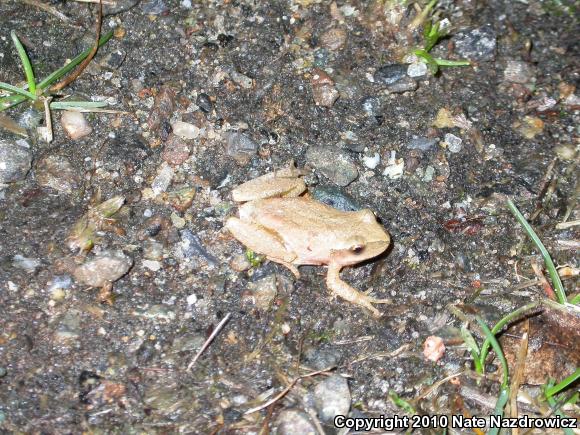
x: 204, y: 102
x: 422, y: 143
x: 476, y: 44
x: 334, y: 197
x: 390, y: 74
x: 403, y: 85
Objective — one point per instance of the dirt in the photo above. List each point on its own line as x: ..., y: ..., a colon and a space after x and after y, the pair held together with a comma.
x: 248, y: 75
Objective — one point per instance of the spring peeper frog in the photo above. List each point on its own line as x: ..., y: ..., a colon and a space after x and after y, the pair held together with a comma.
x: 294, y: 230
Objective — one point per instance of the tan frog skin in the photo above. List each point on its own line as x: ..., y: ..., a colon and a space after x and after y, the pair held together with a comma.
x: 294, y: 231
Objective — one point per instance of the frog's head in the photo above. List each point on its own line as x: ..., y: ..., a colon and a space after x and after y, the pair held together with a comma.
x: 366, y: 240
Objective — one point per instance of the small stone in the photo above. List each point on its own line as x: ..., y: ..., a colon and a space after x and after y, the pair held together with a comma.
x: 204, y: 103
x: 103, y: 269
x: 240, y: 263
x: 433, y: 348
x: 333, y: 163
x: 15, y: 160
x: 176, y: 150
x: 177, y: 221
x: 59, y: 282
x: 429, y: 173
x: 454, y: 143
x: 371, y: 161
x: 3, y: 371
x: 113, y: 60
x: 154, y: 7
x: 417, y: 69
x: 162, y: 109
x: 404, y: 85
x: 395, y: 167
x: 565, y: 152
x: 191, y: 299
x: 389, y: 74
x: 478, y: 44
x: 190, y: 246
x: 519, y: 72
x: 242, y: 80
x: 321, y: 358
x: 292, y: 422
x: 57, y: 173
x: 188, y: 343
x: 241, y: 147
x: 27, y: 264
x: 333, y: 39
x: 422, y: 143
x: 163, y: 178
x: 152, y: 265
x: 30, y: 118
x: 371, y: 106
x: 332, y: 397
x: 264, y: 291
x: 323, y: 90
x: 118, y: 6
x: 185, y: 130
x: 75, y: 125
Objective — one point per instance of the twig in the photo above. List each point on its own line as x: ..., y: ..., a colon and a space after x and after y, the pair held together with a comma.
x: 380, y: 355
x: 519, y: 373
x: 542, y: 279
x: 67, y: 81
x: 566, y: 225
x: 285, y: 390
x: 47, y: 8
x: 209, y: 340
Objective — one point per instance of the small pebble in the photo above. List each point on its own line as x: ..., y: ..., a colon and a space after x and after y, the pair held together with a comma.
x: 292, y: 422
x: 332, y: 397
x: 56, y: 172
x: 152, y: 265
x: 159, y: 312
x: 69, y: 327
x: 334, y: 197
x: 185, y: 130
x: 154, y: 7
x: 371, y: 161
x: 390, y: 74
x: 333, y: 39
x: 240, y: 146
x: 395, y: 167
x: 176, y: 150
x: 204, y: 103
x: 478, y: 44
x: 404, y: 85
x: 417, y: 69
x: 75, y: 125
x: 333, y: 163
x: 517, y: 71
x: 433, y: 348
x: 263, y: 292
x: 113, y: 60
x: 163, y: 178
x: 103, y: 269
x: 454, y: 143
x: 323, y: 90
x: 24, y: 263
x: 371, y: 106
x: 15, y: 160
x: 422, y: 143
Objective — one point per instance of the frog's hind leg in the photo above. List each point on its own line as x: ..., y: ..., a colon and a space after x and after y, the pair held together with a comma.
x: 345, y: 291
x: 262, y: 241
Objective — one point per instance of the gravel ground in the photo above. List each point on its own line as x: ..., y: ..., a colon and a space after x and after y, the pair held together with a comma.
x: 115, y: 266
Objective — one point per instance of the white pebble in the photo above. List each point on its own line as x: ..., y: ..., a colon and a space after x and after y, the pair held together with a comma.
x: 75, y: 125
x: 372, y: 162
x: 454, y: 143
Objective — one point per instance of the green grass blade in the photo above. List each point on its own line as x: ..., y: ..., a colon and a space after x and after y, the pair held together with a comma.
x: 25, y: 63
x: 563, y: 384
x: 61, y: 72
x: 473, y: 348
x: 64, y: 105
x: 502, y: 322
x: 16, y: 90
x: 10, y: 101
x: 502, y: 399
x: 494, y: 343
x: 558, y: 287
x: 402, y: 403
x: 445, y: 62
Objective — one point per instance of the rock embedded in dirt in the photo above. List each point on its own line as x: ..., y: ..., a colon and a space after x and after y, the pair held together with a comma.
x: 57, y: 173
x: 404, y: 85
x: 264, y: 291
x: 176, y: 150
x: 517, y: 71
x: 240, y: 146
x: 185, y: 130
x: 294, y: 421
x: 478, y: 44
x: 334, y: 164
x: 75, y: 125
x: 15, y: 160
x: 204, y: 103
x: 422, y: 143
x: 334, y: 197
x: 371, y: 106
x: 101, y: 270
x: 323, y: 90
x: 454, y: 143
x: 332, y: 398
x: 333, y: 39
x: 389, y: 74
x: 163, y: 107
x: 417, y: 69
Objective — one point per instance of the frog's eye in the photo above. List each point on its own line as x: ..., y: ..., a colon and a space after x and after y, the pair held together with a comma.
x: 357, y: 249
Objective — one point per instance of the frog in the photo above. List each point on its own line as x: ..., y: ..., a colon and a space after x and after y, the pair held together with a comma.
x: 279, y: 220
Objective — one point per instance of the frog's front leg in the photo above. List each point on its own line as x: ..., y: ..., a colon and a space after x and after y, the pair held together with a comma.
x: 262, y: 241
x: 345, y: 291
